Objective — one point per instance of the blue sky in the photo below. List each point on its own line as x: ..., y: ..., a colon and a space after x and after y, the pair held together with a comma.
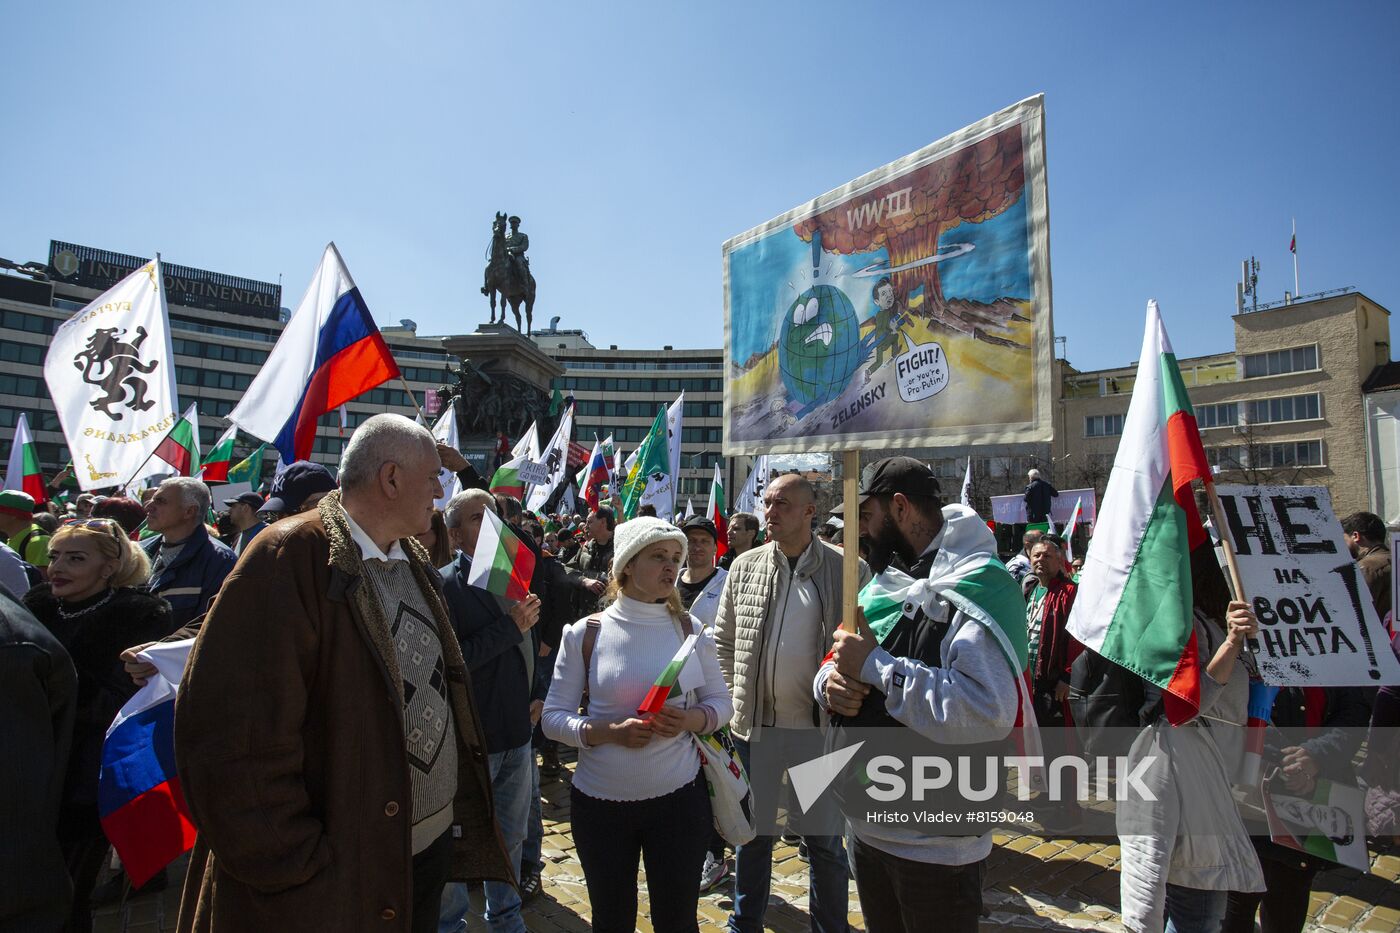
x: 635, y: 138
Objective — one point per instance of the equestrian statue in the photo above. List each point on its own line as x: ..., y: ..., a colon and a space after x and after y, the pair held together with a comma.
x: 508, y: 272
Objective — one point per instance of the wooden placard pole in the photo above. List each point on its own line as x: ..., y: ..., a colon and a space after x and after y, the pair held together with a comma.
x: 1218, y: 513
x: 850, y: 537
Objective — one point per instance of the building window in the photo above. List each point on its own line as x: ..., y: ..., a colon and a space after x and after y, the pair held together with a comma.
x: 1290, y: 454
x: 1278, y: 362
x: 11, y: 352
x: 33, y: 323
x: 1287, y: 408
x: 1222, y: 415
x: 1227, y: 458
x: 24, y: 386
x: 1103, y: 425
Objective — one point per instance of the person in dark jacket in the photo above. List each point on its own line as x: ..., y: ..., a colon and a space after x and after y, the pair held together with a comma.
x: 591, y: 568
x: 38, y: 697
x: 500, y: 654
x: 1039, y: 496
x: 1322, y: 728
x: 187, y: 566
x: 1366, y: 538
x: 93, y: 606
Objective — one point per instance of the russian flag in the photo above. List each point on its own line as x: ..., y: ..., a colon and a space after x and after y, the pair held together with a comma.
x: 330, y: 352
x: 142, y: 809
x: 597, y: 477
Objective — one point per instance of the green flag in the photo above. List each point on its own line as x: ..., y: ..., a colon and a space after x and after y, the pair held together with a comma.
x: 556, y: 403
x: 654, y: 456
x: 249, y: 470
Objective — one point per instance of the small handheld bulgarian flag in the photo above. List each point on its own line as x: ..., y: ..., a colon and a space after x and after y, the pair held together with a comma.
x: 501, y: 564
x: 506, y: 480
x: 220, y: 459
x: 180, y: 448
x: 680, y: 676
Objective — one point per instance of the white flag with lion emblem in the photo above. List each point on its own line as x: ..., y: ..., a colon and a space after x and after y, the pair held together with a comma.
x: 109, y: 370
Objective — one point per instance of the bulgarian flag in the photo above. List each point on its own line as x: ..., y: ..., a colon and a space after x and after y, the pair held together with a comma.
x: 23, y: 472
x: 681, y: 675
x: 715, y: 513
x: 501, y: 564
x: 216, y: 465
x: 506, y: 480
x: 249, y: 470
x: 1134, y: 606
x: 180, y: 448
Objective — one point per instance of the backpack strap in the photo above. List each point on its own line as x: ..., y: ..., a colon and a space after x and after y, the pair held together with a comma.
x: 590, y: 638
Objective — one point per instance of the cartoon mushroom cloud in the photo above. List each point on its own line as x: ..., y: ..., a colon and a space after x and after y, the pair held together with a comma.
x: 908, y: 214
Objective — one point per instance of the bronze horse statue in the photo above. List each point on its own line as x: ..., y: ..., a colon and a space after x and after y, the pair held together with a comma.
x: 510, y: 279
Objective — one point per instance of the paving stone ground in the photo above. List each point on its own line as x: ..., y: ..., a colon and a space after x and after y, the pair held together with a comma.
x: 1035, y: 881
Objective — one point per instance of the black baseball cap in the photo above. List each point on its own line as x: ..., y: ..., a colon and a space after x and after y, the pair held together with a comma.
x: 298, y: 481
x: 250, y: 499
x: 898, y: 474
x: 700, y: 523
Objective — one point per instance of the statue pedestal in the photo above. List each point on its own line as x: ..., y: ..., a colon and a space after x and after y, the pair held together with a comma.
x: 499, y: 349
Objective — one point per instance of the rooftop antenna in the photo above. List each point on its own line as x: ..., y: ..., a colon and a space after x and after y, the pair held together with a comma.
x: 1248, y: 285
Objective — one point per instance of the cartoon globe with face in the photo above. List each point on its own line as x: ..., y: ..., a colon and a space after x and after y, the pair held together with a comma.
x: 818, y: 346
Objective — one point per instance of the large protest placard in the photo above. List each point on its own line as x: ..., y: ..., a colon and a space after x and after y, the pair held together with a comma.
x: 1317, y: 625
x: 909, y: 307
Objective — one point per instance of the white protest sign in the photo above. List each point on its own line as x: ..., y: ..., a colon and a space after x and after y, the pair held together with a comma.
x: 1317, y: 624
x: 1011, y: 510
x: 532, y: 473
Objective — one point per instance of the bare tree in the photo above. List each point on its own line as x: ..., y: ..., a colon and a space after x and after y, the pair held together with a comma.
x: 1250, y: 459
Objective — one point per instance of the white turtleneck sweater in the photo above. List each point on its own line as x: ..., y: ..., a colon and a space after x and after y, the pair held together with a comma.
x: 635, y: 643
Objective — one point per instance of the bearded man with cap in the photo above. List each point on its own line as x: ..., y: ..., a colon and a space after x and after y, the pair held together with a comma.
x: 949, y: 670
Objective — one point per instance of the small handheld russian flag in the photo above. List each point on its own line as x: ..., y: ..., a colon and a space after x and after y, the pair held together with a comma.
x: 139, y: 801
x: 1261, y: 706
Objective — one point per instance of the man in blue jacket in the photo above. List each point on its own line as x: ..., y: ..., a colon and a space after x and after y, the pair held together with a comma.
x: 187, y: 566
x: 500, y: 651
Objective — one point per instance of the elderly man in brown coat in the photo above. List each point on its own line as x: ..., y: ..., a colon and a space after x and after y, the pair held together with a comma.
x: 326, y: 736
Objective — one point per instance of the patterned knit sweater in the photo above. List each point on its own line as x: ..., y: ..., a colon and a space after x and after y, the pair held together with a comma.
x: 427, y: 711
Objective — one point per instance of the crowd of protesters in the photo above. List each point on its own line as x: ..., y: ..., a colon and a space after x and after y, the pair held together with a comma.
x: 360, y: 733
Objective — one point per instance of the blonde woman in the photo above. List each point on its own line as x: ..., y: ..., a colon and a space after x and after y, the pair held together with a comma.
x: 92, y: 605
x: 638, y: 792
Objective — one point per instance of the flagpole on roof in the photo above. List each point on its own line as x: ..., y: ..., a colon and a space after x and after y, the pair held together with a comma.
x: 1294, y: 250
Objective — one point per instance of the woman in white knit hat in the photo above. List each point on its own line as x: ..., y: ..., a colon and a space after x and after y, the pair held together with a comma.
x: 638, y: 790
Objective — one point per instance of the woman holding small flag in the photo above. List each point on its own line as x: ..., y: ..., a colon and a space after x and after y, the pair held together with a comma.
x: 638, y: 791
x: 93, y: 606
